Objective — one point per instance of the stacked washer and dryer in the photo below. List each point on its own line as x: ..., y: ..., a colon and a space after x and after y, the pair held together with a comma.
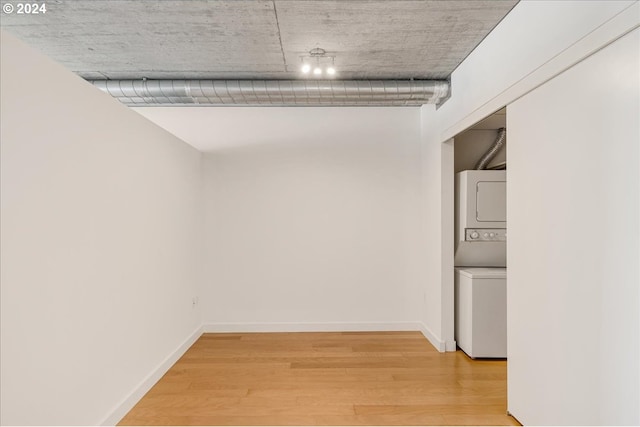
x: 481, y: 260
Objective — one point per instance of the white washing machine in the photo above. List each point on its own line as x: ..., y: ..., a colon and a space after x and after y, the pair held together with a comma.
x: 481, y: 311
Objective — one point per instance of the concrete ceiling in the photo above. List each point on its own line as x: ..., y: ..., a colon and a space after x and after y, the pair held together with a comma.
x: 257, y: 39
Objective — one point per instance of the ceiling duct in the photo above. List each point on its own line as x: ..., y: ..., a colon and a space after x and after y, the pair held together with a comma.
x: 275, y: 92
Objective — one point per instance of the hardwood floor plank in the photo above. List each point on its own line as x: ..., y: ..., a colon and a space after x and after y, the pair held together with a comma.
x: 341, y: 362
x: 384, y: 420
x: 324, y: 378
x: 430, y: 409
x: 242, y: 406
x: 372, y: 399
x: 202, y: 393
x: 479, y: 420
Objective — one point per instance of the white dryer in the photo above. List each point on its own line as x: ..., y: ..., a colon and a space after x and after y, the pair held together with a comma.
x: 481, y: 219
x: 481, y: 311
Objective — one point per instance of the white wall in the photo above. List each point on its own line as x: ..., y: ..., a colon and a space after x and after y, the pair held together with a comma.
x: 533, y: 43
x: 593, y: 358
x: 574, y: 223
x: 313, y: 227
x: 437, y: 263
x: 101, y: 223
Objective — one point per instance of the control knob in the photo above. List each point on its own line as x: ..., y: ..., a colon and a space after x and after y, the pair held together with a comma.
x: 474, y: 235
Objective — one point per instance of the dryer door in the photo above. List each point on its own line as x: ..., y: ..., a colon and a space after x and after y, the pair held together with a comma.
x: 491, y: 201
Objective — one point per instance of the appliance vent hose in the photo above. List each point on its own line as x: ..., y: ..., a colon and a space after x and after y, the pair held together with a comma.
x: 493, y: 150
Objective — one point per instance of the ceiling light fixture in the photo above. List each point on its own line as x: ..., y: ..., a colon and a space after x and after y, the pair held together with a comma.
x: 318, y: 61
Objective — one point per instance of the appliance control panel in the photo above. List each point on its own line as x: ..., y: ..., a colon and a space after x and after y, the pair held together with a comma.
x: 485, y: 234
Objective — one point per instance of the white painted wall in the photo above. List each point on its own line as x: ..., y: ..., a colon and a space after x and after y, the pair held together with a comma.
x: 437, y: 262
x: 101, y: 222
x: 574, y: 222
x: 313, y: 226
x: 536, y: 41
x: 581, y: 364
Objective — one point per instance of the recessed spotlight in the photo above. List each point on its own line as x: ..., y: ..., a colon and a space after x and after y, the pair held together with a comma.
x: 331, y: 71
x: 317, y: 71
x: 305, y: 68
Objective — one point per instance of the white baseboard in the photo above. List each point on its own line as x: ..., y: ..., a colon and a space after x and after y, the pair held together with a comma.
x: 433, y: 338
x: 145, y: 385
x: 313, y: 327
x: 440, y: 345
x: 450, y: 346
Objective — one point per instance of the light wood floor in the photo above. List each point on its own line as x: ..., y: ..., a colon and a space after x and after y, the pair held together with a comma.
x: 348, y: 378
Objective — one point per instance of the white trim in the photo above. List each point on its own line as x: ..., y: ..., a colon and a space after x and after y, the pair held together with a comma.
x: 605, y: 34
x: 312, y: 327
x: 145, y: 385
x: 447, y: 248
x: 432, y: 338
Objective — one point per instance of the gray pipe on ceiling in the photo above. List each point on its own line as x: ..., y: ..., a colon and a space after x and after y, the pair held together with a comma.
x: 275, y: 92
